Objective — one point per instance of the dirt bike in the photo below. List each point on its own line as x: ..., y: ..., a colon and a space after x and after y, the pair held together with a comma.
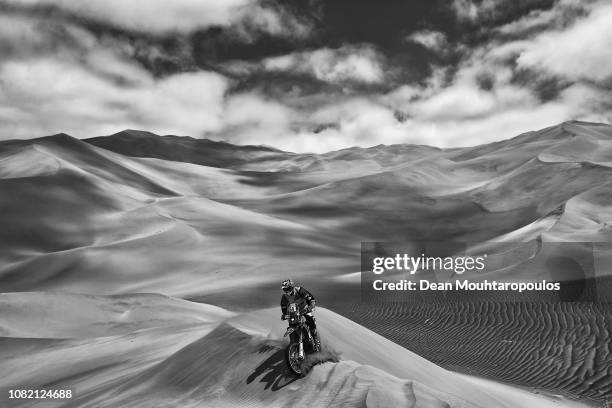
x: 301, y: 340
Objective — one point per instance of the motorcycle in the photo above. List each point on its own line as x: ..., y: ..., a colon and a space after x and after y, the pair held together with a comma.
x: 301, y: 340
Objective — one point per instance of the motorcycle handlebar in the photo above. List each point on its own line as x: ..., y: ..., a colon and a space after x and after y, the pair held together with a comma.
x: 307, y: 309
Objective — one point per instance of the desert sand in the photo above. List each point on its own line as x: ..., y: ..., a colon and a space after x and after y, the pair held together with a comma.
x: 222, y: 224
x: 89, y: 214
x: 208, y: 357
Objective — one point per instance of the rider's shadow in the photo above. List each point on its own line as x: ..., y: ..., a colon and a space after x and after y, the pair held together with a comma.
x: 273, y: 370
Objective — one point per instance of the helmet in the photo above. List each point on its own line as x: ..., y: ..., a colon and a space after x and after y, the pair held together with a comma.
x: 287, y: 286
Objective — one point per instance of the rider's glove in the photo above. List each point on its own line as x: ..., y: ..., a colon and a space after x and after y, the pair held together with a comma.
x: 283, y: 317
x: 312, y: 306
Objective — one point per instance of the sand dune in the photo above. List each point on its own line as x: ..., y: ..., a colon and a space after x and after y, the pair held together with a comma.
x: 185, y: 149
x: 232, y: 361
x: 135, y: 212
x: 97, y: 202
x: 58, y: 315
x: 466, y: 194
x: 110, y: 215
x: 557, y: 347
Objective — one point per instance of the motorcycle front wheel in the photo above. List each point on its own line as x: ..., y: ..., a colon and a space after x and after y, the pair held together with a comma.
x: 292, y: 356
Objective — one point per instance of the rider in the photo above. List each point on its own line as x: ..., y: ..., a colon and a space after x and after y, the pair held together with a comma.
x: 297, y: 294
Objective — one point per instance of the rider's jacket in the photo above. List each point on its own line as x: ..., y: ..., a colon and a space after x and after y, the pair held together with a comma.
x: 301, y: 296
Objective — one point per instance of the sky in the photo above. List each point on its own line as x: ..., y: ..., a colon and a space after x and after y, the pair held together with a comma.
x: 304, y: 75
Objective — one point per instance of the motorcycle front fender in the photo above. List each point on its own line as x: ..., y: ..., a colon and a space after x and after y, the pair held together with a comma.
x: 289, y: 331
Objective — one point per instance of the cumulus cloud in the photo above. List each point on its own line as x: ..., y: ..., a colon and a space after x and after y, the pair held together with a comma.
x: 490, y: 10
x: 500, y: 125
x: 363, y: 123
x: 247, y: 17
x: 366, y: 123
x: 562, y: 13
x: 583, y: 51
x: 434, y: 40
x: 356, y: 121
x: 58, y: 77
x: 61, y: 78
x: 49, y: 96
x: 22, y: 36
x: 465, y: 9
x: 461, y: 101
x: 437, y: 113
x: 252, y: 119
x: 349, y: 63
x: 255, y: 18
x: 483, y: 101
x: 149, y: 15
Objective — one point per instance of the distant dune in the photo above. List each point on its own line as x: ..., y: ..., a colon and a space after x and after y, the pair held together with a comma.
x: 89, y: 214
x: 185, y: 149
x: 135, y: 212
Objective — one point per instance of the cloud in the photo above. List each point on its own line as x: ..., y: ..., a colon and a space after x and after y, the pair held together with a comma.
x: 252, y: 119
x: 148, y: 15
x: 57, y: 76
x: 356, y: 121
x: 582, y: 51
x: 434, y: 40
x: 61, y: 78
x: 465, y: 9
x: 460, y: 101
x: 25, y: 36
x: 183, y: 16
x: 485, y: 86
x: 366, y: 123
x: 487, y: 11
x: 22, y: 36
x: 255, y: 18
x: 49, y: 96
x: 560, y: 15
x: 500, y: 125
x: 361, y: 122
x: 576, y: 102
x: 482, y: 101
x: 344, y: 64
